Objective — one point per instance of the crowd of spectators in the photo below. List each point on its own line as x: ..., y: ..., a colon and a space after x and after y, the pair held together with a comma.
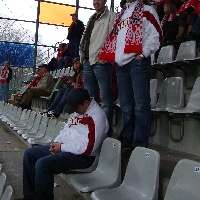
x: 125, y: 41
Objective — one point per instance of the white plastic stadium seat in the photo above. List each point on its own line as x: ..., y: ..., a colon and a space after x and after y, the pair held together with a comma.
x: 108, y: 171
x: 184, y: 182
x: 141, y: 179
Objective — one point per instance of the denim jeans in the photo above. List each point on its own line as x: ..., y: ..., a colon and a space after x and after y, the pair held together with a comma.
x: 196, y: 26
x: 99, y: 77
x: 60, y: 100
x: 39, y: 167
x: 134, y: 95
x: 74, y: 48
x: 4, y: 92
x: 60, y: 63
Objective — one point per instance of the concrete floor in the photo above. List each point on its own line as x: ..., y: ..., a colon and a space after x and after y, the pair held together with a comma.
x: 12, y: 148
x: 11, y: 156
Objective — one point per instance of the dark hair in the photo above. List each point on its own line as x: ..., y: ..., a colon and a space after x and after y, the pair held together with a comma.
x: 122, y: 3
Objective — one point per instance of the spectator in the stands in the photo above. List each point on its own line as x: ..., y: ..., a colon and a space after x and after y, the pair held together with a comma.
x: 63, y: 56
x: 160, y: 6
x: 74, y: 148
x: 182, y: 23
x: 36, y: 79
x: 58, y: 104
x: 170, y: 10
x: 195, y: 32
x: 75, y: 32
x: 98, y: 76
x: 44, y: 88
x: 135, y: 35
x: 5, y: 77
x: 58, y: 61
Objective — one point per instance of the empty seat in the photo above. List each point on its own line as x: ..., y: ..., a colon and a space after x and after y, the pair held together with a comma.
x: 49, y: 136
x: 107, y: 173
x: 153, y: 91
x: 2, y: 183
x: 7, y: 194
x: 24, y: 122
x: 171, y: 95
x: 166, y: 55
x: 22, y: 118
x: 184, y: 182
x: 193, y: 105
x: 141, y: 179
x: 41, y: 131
x: 49, y: 128
x: 29, y: 124
x: 35, y: 127
x: 16, y: 117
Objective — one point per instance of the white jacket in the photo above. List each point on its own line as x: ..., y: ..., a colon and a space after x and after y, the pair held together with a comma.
x: 83, y: 134
x: 150, y: 35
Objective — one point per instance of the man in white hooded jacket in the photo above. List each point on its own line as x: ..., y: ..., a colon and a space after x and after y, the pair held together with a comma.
x: 135, y: 35
x: 74, y: 148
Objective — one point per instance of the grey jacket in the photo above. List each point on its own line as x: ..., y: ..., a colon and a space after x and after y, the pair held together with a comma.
x: 100, y: 31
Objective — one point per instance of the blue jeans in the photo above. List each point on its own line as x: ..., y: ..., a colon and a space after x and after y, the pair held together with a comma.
x: 74, y: 48
x: 39, y: 167
x: 99, y: 76
x: 4, y: 92
x: 134, y: 95
x: 60, y: 100
x: 196, y: 26
x: 59, y: 64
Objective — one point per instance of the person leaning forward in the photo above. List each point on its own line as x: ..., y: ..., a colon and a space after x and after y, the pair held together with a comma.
x: 74, y: 148
x: 98, y: 76
x: 43, y: 88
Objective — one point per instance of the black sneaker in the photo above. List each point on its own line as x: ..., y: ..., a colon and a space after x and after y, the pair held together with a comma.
x: 51, y: 114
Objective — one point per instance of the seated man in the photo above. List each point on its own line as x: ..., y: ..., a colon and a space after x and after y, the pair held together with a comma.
x: 44, y: 87
x: 74, y: 148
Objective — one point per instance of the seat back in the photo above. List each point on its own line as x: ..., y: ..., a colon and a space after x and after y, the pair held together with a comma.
x: 20, y: 120
x: 108, y: 171
x: 8, y: 111
x: 153, y: 91
x: 142, y: 172
x: 31, y: 120
x: 166, y: 54
x: 43, y: 126
x: 36, y: 124
x: 194, y: 101
x: 7, y: 194
x: 185, y: 181
x: 59, y: 126
x: 2, y: 183
x: 110, y: 159
x: 50, y: 129
x: 18, y: 114
x: 171, y: 95
x: 187, y: 50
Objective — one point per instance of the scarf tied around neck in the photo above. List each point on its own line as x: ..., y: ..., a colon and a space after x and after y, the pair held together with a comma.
x: 133, y: 37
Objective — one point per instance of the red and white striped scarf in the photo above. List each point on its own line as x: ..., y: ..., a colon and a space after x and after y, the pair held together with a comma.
x: 133, y: 38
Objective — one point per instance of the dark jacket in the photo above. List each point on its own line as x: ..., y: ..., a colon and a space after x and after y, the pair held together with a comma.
x: 76, y: 31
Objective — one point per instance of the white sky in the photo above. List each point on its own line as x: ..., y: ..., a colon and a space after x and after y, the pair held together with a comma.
x: 27, y: 10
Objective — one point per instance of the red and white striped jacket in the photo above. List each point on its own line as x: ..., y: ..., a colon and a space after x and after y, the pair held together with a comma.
x: 83, y: 134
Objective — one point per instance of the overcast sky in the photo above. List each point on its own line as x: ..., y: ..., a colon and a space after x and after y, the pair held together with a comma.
x: 27, y: 10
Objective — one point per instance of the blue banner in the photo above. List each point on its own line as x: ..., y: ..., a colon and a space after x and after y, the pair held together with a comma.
x: 17, y: 54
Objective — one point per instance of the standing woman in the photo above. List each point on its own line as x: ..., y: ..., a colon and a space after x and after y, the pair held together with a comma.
x: 5, y: 77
